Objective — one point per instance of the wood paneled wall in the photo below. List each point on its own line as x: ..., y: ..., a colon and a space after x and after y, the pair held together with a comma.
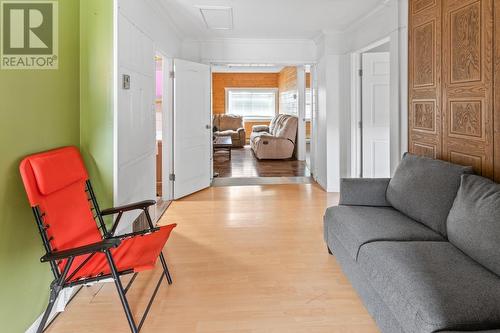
x: 285, y: 80
x: 454, y: 108
x: 221, y: 81
x: 288, y: 79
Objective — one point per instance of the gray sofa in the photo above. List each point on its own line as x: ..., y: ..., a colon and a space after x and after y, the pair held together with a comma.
x: 422, y: 249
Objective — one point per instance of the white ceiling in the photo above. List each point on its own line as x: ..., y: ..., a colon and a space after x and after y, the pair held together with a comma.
x: 298, y: 19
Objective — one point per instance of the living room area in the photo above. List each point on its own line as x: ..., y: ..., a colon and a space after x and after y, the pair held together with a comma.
x: 357, y: 152
x: 256, y: 128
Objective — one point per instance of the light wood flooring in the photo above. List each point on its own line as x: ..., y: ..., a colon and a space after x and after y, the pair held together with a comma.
x: 247, y: 259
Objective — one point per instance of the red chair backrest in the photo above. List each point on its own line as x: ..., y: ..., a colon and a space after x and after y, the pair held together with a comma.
x: 55, y: 182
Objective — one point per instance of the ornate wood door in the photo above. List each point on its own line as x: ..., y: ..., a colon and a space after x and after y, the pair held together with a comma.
x: 454, y: 63
x: 496, y: 105
x: 425, y: 78
x: 468, y: 84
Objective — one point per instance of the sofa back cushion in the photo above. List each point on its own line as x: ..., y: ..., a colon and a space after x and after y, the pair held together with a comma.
x: 424, y: 189
x: 287, y: 128
x: 275, y: 123
x: 226, y: 122
x: 474, y: 221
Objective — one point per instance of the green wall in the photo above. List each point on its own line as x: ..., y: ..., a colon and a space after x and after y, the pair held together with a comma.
x: 39, y: 110
x: 96, y: 91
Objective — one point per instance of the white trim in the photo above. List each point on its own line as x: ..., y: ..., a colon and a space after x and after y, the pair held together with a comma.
x: 116, y: 83
x: 167, y: 128
x: 355, y: 115
x: 59, y: 306
x: 301, y: 113
x: 353, y: 25
x: 251, y: 89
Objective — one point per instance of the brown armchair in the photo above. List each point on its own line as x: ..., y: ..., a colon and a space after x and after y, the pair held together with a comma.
x: 230, y: 125
x: 276, y: 141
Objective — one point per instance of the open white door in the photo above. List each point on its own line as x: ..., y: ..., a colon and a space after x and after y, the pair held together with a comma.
x: 134, y: 121
x: 192, y: 127
x: 376, y: 115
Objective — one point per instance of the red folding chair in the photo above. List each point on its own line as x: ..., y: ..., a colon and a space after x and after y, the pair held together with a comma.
x: 79, y: 246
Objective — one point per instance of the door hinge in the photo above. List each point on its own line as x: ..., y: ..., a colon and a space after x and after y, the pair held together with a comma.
x: 171, y: 74
x: 360, y: 124
x: 171, y: 177
x: 360, y: 72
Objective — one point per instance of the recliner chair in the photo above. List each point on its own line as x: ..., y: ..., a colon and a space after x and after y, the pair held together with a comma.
x: 276, y: 141
x: 230, y: 125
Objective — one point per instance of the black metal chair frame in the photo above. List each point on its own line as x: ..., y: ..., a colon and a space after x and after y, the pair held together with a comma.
x: 62, y: 280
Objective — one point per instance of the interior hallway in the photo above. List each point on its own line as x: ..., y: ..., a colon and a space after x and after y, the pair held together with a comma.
x: 259, y: 264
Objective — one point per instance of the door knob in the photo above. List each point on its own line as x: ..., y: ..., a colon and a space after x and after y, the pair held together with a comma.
x: 207, y: 126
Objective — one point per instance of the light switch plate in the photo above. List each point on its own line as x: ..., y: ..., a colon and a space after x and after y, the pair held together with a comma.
x: 126, y: 81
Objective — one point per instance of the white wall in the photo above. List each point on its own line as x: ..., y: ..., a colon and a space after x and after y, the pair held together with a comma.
x: 153, y: 20
x: 268, y: 51
x: 334, y: 59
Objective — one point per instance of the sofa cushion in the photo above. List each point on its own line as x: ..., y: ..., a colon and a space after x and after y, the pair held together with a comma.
x: 286, y: 128
x: 274, y: 122
x: 226, y: 133
x: 431, y: 286
x: 230, y: 122
x: 424, y: 189
x: 474, y: 221
x: 354, y: 226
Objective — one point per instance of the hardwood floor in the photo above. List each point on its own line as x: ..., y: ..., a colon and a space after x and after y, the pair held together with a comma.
x: 244, y: 164
x: 247, y: 259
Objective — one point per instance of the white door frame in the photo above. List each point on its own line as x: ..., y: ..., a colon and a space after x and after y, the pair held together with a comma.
x: 301, y: 113
x: 356, y: 96
x: 167, y: 128
x: 314, y: 117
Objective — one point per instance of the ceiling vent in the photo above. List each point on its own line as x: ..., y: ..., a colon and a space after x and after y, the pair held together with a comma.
x: 217, y: 17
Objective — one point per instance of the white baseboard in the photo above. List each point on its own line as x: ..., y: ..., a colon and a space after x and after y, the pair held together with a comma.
x: 59, y: 306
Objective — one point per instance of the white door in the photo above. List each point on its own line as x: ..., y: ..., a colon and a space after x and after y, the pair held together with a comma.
x: 135, y: 120
x: 192, y: 127
x: 376, y: 115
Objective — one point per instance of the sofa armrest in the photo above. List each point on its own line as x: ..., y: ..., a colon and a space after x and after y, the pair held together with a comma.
x: 364, y: 192
x: 266, y: 138
x: 260, y: 128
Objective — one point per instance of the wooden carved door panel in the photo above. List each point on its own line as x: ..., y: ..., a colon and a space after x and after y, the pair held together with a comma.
x: 497, y: 90
x: 425, y: 78
x: 468, y: 84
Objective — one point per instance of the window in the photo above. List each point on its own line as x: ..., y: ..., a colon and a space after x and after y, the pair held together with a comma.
x: 251, y: 103
x: 290, y: 105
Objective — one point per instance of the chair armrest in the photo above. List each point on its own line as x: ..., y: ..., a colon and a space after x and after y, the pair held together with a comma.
x: 125, y: 208
x: 241, y: 129
x: 78, y: 251
x: 364, y: 192
x: 136, y: 233
x: 260, y: 128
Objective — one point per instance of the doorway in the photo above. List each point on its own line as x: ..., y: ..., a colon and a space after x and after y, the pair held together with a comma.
x: 375, y: 114
x: 265, y: 110
x: 371, y: 153
x: 161, y: 136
